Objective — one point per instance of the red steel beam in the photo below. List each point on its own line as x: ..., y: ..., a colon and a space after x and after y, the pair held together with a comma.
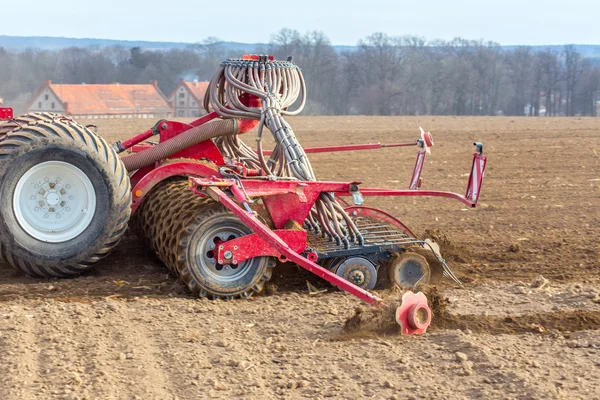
x: 349, y: 147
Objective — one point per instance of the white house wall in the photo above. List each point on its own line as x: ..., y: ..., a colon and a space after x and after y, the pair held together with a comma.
x: 45, y: 101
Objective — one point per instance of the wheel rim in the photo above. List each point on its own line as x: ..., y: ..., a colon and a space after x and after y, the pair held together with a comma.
x: 206, y: 256
x: 54, y: 202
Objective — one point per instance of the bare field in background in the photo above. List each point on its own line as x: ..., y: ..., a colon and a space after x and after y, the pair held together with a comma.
x: 129, y: 330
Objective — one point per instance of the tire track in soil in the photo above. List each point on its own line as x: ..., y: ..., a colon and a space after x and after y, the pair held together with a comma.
x: 19, y: 363
x: 479, y: 363
x: 133, y: 348
x: 79, y: 346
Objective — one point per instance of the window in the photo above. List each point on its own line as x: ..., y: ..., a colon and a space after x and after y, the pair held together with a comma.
x: 182, y: 103
x: 46, y: 97
x: 181, y: 113
x: 53, y: 106
x: 40, y: 104
x: 181, y: 95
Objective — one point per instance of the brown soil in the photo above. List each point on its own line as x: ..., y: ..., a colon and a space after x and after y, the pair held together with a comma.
x: 130, y: 330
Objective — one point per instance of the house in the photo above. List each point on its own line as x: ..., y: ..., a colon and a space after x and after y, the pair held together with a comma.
x: 102, y: 101
x: 188, y: 97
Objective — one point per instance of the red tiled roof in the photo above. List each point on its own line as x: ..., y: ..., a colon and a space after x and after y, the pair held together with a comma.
x: 111, y: 99
x: 197, y: 89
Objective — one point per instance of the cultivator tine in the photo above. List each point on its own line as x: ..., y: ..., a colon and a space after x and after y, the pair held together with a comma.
x: 435, y: 249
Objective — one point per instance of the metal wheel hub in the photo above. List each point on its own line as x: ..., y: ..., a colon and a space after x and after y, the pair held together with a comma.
x: 359, y: 271
x: 54, y: 201
x: 206, y: 257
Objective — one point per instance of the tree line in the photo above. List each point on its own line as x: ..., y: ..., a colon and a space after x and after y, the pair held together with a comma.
x: 382, y: 75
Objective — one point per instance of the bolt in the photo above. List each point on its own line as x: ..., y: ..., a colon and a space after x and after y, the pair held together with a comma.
x: 46, y: 215
x: 57, y: 216
x: 228, y: 254
x: 57, y: 180
x: 235, y: 247
x: 355, y: 213
x: 68, y: 209
x: 32, y: 197
x: 234, y: 262
x: 68, y: 186
x: 71, y: 197
x: 46, y: 179
x: 163, y: 126
x: 213, y: 261
x: 212, y: 247
x: 220, y: 261
x: 221, y: 247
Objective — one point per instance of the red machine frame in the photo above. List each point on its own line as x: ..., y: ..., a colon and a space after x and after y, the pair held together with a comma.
x: 285, y: 200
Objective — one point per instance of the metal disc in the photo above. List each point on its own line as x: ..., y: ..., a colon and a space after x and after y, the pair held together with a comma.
x: 359, y: 271
x: 409, y: 270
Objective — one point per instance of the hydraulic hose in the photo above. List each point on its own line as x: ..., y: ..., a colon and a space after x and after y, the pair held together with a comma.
x: 180, y: 142
x: 278, y: 85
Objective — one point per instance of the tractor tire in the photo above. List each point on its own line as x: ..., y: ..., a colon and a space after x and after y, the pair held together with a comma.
x: 65, y: 196
x: 29, y: 119
x: 183, y: 229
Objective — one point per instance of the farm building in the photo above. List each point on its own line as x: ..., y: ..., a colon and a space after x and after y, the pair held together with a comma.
x: 102, y: 101
x: 187, y: 98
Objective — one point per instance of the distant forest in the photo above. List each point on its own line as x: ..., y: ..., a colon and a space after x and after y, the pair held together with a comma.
x: 381, y: 75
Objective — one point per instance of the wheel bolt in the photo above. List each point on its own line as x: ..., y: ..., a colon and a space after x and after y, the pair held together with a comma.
x: 71, y: 197
x: 68, y: 186
x: 57, y: 216
x: 68, y: 209
x: 228, y: 255
x: 46, y: 215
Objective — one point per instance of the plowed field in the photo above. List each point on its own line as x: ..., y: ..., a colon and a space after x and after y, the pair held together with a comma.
x: 129, y: 330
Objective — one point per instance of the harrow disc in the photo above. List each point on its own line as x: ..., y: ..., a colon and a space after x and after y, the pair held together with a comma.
x: 409, y: 270
x: 184, y: 230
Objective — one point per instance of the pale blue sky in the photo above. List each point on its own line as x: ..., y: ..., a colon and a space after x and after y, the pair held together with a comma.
x: 504, y: 21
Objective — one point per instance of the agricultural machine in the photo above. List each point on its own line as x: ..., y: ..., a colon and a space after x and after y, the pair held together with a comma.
x: 218, y: 213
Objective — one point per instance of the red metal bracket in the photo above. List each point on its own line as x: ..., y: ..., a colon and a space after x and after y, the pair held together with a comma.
x: 243, y: 248
x: 415, y: 181
x: 476, y: 177
x: 6, y: 113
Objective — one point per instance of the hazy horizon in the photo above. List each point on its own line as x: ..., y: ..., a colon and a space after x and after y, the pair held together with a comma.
x: 511, y: 23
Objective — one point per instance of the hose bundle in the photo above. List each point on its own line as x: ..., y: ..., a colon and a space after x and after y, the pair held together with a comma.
x: 279, y: 85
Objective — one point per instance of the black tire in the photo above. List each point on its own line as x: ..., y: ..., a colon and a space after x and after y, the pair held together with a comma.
x: 173, y: 220
x: 67, y: 143
x: 201, y: 278
x: 28, y: 119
